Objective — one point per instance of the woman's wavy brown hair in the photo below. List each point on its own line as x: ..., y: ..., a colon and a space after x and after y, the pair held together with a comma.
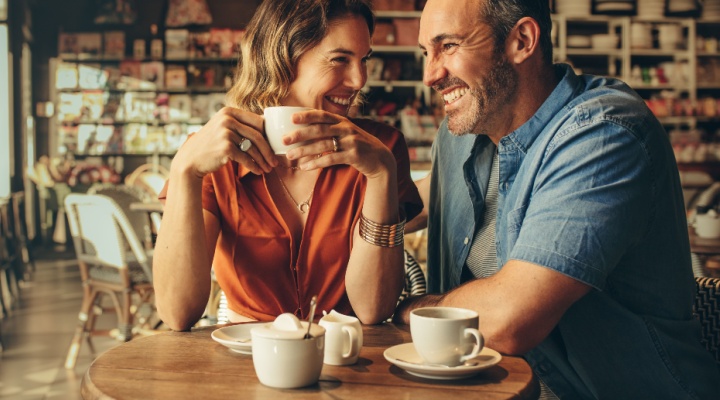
x: 279, y: 33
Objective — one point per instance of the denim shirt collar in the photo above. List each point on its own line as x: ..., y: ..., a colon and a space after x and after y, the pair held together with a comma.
x: 463, y: 196
x: 524, y: 137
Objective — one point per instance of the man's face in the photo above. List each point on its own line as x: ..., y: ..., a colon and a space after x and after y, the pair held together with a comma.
x: 476, y: 81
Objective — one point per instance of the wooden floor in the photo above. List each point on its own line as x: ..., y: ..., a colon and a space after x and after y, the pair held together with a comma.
x: 37, y: 334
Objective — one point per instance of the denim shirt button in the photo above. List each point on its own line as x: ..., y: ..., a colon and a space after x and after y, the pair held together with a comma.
x: 466, y: 240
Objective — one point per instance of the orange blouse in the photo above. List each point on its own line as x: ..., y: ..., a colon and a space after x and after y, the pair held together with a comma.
x: 253, y: 256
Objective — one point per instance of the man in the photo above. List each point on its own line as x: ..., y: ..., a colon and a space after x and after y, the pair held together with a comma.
x: 555, y: 211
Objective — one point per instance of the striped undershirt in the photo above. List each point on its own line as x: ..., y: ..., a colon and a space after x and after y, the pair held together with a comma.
x: 482, y: 258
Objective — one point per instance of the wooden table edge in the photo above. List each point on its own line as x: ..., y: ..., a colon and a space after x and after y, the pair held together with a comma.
x: 89, y: 390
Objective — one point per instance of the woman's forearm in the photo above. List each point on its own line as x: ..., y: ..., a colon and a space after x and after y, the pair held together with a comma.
x: 375, y: 274
x: 182, y: 259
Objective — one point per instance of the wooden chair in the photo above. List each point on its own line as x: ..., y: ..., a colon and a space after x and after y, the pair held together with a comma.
x: 112, y: 263
x: 124, y: 196
x: 216, y: 308
x: 9, y: 270
x: 148, y: 177
x: 415, y: 283
x: 707, y: 310
x: 24, y: 247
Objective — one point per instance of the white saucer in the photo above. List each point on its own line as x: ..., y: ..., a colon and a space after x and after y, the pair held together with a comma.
x: 236, y: 337
x: 406, y: 352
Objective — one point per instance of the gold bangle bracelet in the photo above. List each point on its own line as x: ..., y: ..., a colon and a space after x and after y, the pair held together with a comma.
x: 382, y: 235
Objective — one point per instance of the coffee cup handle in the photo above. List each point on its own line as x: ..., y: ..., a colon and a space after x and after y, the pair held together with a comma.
x: 479, y: 344
x: 353, y: 336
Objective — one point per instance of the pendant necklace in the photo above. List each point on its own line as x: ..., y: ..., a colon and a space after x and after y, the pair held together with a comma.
x: 304, y: 206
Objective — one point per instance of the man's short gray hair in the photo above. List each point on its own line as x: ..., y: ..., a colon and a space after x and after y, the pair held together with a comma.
x: 502, y: 15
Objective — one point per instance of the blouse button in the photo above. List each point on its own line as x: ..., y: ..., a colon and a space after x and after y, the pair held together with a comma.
x: 467, y: 240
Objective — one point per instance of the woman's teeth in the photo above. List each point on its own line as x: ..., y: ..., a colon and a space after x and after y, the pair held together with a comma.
x: 339, y: 100
x: 454, y: 95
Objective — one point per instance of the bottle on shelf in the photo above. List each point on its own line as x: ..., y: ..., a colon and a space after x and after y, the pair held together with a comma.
x: 156, y: 43
x: 139, y: 49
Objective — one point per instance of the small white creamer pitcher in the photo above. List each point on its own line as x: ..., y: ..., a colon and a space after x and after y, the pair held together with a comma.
x: 343, y: 338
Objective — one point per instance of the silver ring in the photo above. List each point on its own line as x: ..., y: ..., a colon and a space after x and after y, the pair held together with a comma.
x: 336, y: 147
x: 244, y: 145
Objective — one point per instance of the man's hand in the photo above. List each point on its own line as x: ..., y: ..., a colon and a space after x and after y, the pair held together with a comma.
x: 402, y: 312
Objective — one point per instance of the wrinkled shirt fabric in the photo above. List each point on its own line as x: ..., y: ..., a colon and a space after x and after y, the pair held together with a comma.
x: 588, y: 187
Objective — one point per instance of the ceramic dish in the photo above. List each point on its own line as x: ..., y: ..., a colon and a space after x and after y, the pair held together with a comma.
x: 405, y: 357
x: 236, y: 337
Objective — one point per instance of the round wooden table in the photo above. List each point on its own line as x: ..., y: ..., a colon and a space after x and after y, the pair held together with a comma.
x: 190, y: 365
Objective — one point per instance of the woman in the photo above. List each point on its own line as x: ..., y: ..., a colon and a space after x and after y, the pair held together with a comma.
x: 279, y: 230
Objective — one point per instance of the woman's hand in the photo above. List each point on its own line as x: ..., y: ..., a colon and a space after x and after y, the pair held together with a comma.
x: 219, y: 141
x: 340, y: 142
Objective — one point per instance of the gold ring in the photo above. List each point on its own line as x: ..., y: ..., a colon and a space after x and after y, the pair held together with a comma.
x: 244, y: 145
x: 336, y: 147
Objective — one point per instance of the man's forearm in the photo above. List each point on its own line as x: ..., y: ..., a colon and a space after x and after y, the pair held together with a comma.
x: 402, y: 312
x: 417, y: 223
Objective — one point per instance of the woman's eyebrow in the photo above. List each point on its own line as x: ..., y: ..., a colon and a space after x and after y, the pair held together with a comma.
x: 346, y: 51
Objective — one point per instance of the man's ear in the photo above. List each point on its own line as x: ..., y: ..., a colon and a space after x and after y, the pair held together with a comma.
x: 524, y: 40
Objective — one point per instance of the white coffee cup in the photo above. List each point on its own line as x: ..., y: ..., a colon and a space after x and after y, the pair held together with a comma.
x: 444, y: 335
x: 707, y: 225
x: 278, y: 122
x: 343, y: 338
x: 282, y: 357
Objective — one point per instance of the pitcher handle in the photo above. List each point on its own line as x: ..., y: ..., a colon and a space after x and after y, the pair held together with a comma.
x: 353, y: 335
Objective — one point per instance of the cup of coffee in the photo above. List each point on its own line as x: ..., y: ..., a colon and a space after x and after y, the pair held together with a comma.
x: 283, y: 357
x: 445, y: 335
x: 278, y: 122
x: 343, y: 338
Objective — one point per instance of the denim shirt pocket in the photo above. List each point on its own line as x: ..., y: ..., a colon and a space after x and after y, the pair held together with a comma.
x: 509, y: 228
x: 514, y: 219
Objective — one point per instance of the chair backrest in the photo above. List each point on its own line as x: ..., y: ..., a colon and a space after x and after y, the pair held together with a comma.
x: 124, y: 196
x: 7, y: 248
x: 707, y: 310
x: 415, y: 283
x: 148, y: 177
x: 18, y: 208
x: 102, y: 233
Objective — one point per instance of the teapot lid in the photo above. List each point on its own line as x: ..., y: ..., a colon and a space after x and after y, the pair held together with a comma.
x: 287, y: 326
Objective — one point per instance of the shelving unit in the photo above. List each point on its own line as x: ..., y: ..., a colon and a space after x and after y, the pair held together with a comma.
x: 405, y: 49
x: 691, y: 74
x: 142, y: 116
x: 402, y: 89
x: 410, y: 96
x: 390, y: 93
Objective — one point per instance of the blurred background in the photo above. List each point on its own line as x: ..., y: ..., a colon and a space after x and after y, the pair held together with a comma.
x: 97, y: 95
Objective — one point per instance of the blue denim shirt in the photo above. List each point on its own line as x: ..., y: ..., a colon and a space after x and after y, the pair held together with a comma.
x: 588, y: 187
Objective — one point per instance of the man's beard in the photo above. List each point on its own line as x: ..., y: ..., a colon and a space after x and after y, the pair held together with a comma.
x: 488, y: 99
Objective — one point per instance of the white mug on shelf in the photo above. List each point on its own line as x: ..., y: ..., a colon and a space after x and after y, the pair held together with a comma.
x: 707, y: 225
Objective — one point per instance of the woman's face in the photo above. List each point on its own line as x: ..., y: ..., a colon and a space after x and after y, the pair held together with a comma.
x: 331, y: 74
